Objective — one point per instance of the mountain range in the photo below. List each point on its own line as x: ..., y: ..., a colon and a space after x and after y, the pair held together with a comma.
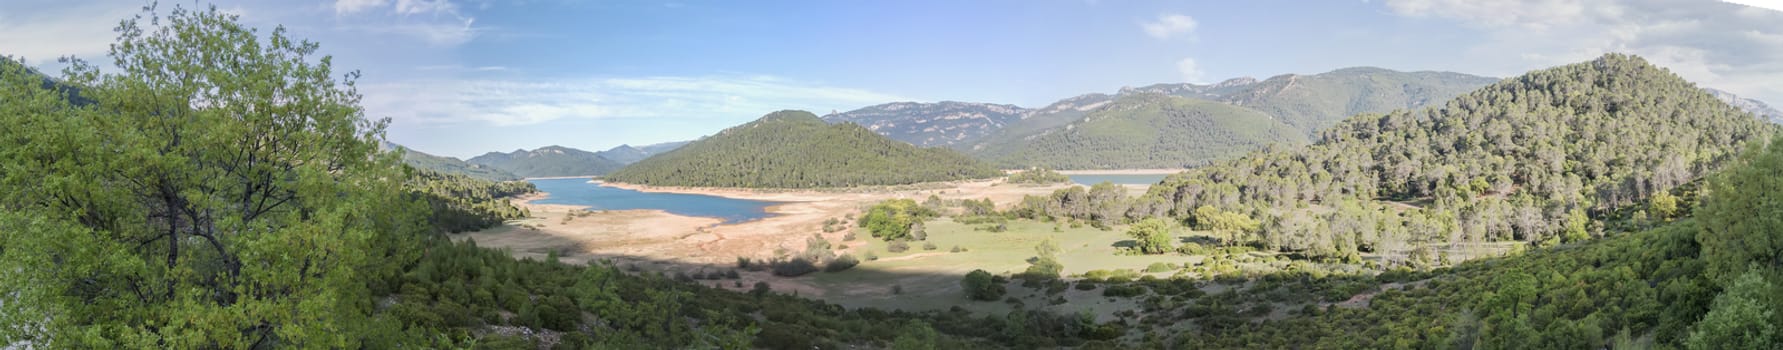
x: 1011, y: 136
x: 796, y: 149
x: 1756, y: 107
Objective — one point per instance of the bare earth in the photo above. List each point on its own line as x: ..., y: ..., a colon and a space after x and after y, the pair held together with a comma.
x: 657, y: 240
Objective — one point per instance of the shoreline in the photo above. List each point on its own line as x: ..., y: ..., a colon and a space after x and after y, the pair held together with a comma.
x: 1122, y: 172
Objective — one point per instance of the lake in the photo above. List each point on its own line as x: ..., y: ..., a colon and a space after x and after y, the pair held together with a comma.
x: 1118, y: 179
x: 596, y: 197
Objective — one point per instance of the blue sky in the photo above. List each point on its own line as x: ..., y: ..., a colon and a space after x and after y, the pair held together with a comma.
x: 463, y: 77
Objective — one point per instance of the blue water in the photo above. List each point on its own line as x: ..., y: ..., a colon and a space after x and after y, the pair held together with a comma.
x: 1123, y: 179
x: 597, y: 197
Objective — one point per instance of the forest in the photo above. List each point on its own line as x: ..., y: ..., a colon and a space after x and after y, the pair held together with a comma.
x: 256, y: 207
x: 1146, y: 131
x: 795, y: 149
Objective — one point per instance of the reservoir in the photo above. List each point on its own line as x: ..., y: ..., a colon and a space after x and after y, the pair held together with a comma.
x: 580, y: 192
x: 1118, y: 179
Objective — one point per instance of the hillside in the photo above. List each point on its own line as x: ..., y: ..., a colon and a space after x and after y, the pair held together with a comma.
x: 945, y: 123
x: 1143, y: 130
x: 548, y: 161
x: 1545, y: 157
x: 450, y: 165
x: 1306, y: 103
x: 795, y: 149
x: 627, y: 154
x: 1315, y: 102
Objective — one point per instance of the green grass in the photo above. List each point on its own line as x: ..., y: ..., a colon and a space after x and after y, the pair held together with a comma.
x: 930, y: 278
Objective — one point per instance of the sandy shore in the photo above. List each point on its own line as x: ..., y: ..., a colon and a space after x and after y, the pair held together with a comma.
x: 1123, y: 172
x: 662, y: 241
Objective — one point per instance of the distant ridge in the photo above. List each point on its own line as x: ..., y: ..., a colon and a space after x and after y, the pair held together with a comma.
x: 796, y: 149
x: 548, y: 161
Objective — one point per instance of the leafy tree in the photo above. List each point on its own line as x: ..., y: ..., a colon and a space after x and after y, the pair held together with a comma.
x: 223, y: 190
x: 915, y: 335
x: 1038, y: 176
x: 1046, y: 264
x: 1742, y: 214
x: 1740, y: 318
x: 981, y: 285
x: 1153, y: 235
x: 895, y: 219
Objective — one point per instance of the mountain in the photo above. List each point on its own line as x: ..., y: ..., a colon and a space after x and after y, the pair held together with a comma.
x: 1314, y: 102
x: 1146, y: 130
x: 548, y: 161
x: 450, y: 165
x: 945, y: 123
x: 1304, y: 103
x: 626, y: 154
x: 1547, y: 157
x: 1756, y: 107
x: 796, y: 149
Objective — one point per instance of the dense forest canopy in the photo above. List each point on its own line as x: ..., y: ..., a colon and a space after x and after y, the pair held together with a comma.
x: 795, y: 149
x: 549, y: 161
x: 1540, y: 157
x: 1146, y: 131
x: 450, y: 165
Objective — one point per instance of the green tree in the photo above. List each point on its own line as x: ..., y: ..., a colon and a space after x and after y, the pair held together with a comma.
x: 1740, y: 318
x: 222, y: 190
x: 1046, y: 263
x: 1153, y: 235
x: 981, y: 285
x: 1743, y: 214
x: 915, y: 335
x: 1663, y: 205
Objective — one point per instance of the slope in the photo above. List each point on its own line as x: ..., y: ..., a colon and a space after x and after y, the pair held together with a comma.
x: 795, y: 149
x: 1543, y: 158
x: 449, y: 165
x: 1143, y: 130
x: 548, y: 161
x: 946, y: 123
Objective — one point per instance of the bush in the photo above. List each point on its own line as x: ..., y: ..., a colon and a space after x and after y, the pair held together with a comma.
x: 982, y: 286
x: 841, y: 263
x: 957, y: 249
x: 1158, y: 267
x: 929, y: 246
x: 792, y: 267
x: 898, y: 246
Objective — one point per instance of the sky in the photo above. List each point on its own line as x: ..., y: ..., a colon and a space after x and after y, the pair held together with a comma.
x: 465, y: 77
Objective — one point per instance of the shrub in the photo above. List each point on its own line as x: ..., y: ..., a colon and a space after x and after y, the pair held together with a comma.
x: 982, y: 286
x: 792, y: 267
x: 957, y: 249
x: 841, y: 263
x: 1158, y: 267
x: 897, y: 246
x: 929, y: 246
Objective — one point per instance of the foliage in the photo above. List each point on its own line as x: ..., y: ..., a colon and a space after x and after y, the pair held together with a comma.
x: 1743, y: 214
x: 223, y: 190
x: 1519, y: 160
x: 1740, y: 318
x: 982, y: 286
x: 793, y: 149
x: 1153, y: 236
x: 894, y: 219
x: 1103, y: 205
x: 1038, y: 176
x: 464, y: 203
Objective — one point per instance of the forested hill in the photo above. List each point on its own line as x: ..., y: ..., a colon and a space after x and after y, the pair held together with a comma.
x: 1304, y: 103
x: 1146, y: 130
x: 450, y: 165
x: 946, y: 123
x: 1542, y: 157
x: 795, y: 149
x: 548, y: 161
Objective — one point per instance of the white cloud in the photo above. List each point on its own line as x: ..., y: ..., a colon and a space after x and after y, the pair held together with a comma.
x: 1169, y: 25
x: 1716, y: 44
x: 512, y: 103
x: 436, y: 22
x: 1191, y: 72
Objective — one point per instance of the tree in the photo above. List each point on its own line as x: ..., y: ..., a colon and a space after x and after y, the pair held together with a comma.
x: 1740, y: 317
x: 1153, y: 235
x: 221, y: 191
x: 981, y: 285
x: 915, y: 335
x: 1046, y: 263
x: 1743, y: 213
x: 1663, y: 205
